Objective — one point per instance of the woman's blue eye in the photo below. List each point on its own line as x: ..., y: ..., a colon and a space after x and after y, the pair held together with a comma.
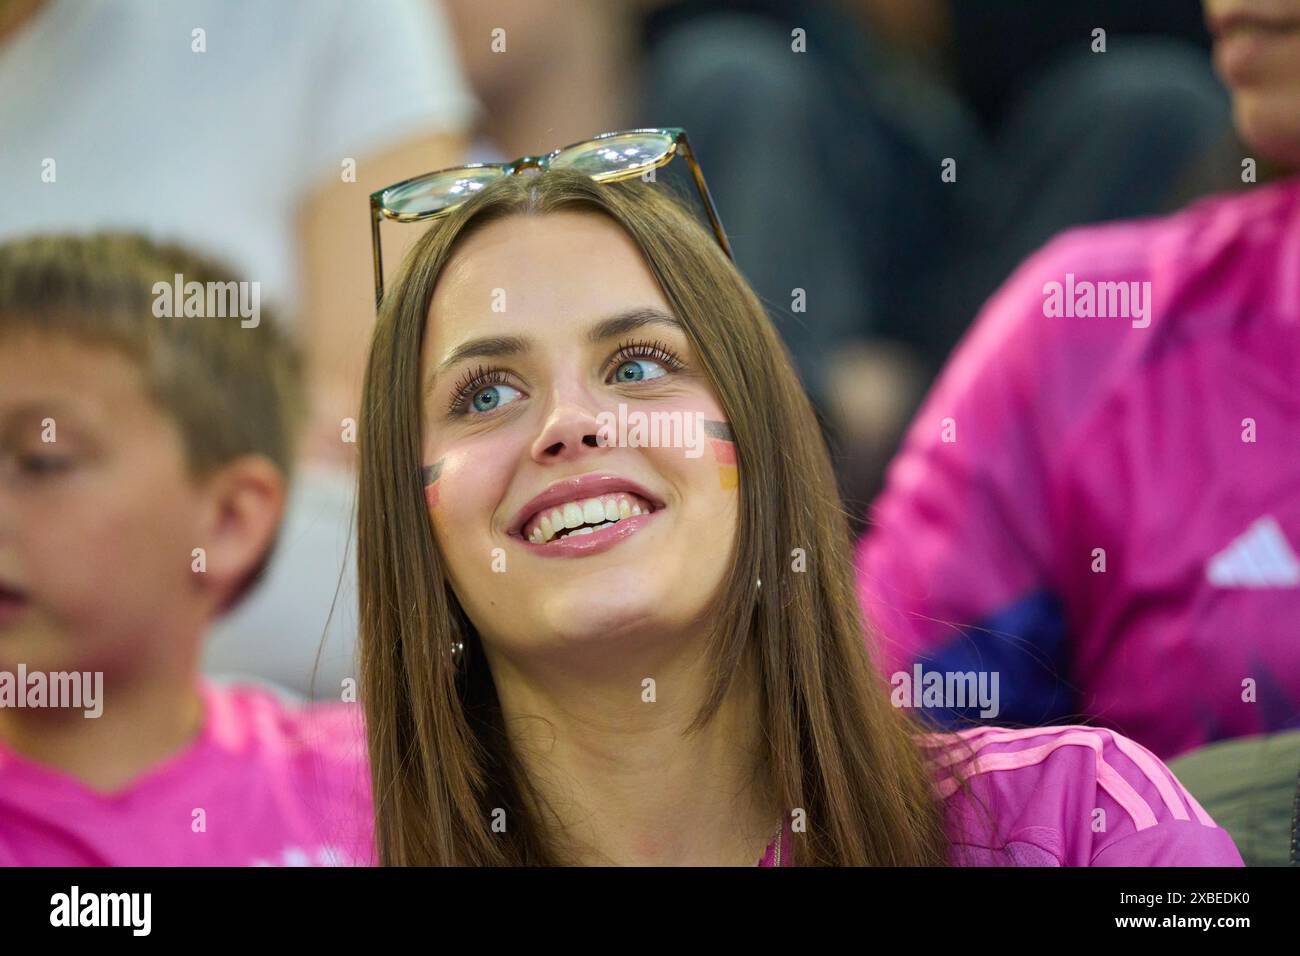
x: 490, y: 398
x: 628, y: 372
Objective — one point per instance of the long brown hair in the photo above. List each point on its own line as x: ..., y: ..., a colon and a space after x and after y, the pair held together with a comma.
x: 440, y: 757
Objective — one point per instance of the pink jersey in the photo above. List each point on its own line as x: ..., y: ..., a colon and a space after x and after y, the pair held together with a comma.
x: 1063, y: 796
x: 264, y: 784
x: 1100, y: 499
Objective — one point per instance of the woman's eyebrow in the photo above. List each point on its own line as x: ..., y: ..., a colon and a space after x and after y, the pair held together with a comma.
x: 629, y: 321
x: 495, y: 346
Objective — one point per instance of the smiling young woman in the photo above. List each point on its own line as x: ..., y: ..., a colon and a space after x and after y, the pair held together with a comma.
x: 688, y: 677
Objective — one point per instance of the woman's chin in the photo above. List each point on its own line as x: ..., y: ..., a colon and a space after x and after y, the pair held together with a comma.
x: 602, y: 617
x: 1271, y: 125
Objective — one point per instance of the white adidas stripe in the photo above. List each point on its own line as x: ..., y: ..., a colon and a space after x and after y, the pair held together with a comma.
x: 1260, y: 557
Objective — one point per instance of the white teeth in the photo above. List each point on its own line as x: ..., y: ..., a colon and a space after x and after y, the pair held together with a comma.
x: 584, y: 517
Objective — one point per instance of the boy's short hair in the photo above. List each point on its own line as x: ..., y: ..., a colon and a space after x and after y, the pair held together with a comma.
x: 232, y: 390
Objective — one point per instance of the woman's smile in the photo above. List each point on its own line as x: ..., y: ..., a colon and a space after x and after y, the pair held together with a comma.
x: 584, y: 515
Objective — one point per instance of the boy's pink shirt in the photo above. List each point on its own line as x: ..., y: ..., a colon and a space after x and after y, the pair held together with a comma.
x: 278, y: 785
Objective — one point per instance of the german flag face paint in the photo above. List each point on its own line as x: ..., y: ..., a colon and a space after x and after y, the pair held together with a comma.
x: 724, y: 452
x: 431, y: 474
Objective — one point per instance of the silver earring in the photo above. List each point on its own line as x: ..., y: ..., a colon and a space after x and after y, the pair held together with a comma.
x: 457, y: 652
x: 759, y: 585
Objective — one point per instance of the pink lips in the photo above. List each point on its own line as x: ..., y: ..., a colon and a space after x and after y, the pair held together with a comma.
x: 1252, y: 15
x: 1244, y: 54
x: 12, y: 604
x: 579, y: 545
x: 573, y: 489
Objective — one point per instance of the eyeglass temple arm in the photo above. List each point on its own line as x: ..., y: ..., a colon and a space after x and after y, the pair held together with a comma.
x: 376, y: 252
x: 703, y: 187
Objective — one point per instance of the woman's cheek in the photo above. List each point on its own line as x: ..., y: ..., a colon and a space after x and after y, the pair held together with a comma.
x: 722, y: 450
x: 701, y: 434
x: 432, y: 489
x: 462, y: 488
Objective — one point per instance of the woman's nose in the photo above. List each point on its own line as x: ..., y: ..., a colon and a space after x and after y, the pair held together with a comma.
x: 570, y: 427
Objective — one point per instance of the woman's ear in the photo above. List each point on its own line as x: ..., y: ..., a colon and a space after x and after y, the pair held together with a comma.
x: 246, y: 501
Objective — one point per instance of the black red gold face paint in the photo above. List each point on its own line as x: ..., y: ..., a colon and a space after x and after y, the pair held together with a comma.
x: 723, y: 445
x: 430, y: 475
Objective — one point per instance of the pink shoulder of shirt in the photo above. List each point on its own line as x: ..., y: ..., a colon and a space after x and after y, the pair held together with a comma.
x: 1233, y: 248
x: 1224, y: 255
x: 1068, y: 796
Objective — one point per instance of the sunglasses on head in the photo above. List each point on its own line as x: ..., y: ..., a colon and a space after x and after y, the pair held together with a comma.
x: 607, y: 158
